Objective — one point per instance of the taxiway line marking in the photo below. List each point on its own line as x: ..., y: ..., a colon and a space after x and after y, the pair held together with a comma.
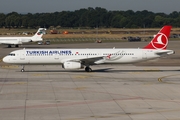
x: 160, y: 79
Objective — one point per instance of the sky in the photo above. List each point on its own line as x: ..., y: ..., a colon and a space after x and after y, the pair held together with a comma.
x: 50, y: 6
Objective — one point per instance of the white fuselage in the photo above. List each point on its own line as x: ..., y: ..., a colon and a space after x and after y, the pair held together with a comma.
x: 15, y: 40
x: 98, y: 56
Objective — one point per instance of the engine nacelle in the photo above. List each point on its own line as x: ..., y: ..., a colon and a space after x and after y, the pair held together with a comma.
x: 72, y: 65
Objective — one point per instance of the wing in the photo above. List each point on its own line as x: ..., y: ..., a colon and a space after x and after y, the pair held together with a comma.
x: 87, y: 61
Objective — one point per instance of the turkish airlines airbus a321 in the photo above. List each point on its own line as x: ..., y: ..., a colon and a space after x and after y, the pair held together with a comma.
x: 80, y: 58
x: 20, y: 40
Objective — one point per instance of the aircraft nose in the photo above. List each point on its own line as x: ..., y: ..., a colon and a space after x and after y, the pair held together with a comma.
x: 6, y: 60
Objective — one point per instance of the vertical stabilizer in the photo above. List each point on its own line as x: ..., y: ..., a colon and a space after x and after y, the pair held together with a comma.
x: 38, y: 35
x: 160, y: 40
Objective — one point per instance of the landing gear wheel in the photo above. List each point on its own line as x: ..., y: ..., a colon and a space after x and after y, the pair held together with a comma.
x: 88, y: 69
x: 9, y: 46
x: 17, y: 46
x: 22, y: 70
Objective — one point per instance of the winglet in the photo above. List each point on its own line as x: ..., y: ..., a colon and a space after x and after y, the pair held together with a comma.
x: 160, y: 41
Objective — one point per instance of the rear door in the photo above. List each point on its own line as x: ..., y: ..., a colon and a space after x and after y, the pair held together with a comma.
x: 144, y: 54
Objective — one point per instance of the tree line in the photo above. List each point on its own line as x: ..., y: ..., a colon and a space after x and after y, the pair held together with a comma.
x: 90, y: 18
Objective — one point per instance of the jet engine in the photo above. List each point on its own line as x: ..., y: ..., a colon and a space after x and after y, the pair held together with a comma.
x: 72, y: 65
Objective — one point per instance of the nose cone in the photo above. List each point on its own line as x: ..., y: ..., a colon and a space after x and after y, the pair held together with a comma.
x: 6, y: 60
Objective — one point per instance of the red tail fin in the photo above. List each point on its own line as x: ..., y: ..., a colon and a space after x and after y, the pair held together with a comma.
x: 160, y: 41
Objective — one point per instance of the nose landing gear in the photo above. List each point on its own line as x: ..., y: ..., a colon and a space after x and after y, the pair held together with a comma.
x: 22, y: 70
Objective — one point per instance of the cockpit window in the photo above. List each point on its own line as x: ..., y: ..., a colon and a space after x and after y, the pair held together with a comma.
x: 11, y: 54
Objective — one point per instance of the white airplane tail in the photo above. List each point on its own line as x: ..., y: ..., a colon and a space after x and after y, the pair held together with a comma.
x: 38, y: 35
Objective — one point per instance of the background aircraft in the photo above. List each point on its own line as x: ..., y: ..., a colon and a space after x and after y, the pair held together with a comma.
x: 79, y: 58
x: 20, y: 40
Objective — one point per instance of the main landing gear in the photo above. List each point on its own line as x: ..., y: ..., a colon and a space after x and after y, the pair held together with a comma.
x: 9, y: 46
x: 88, y: 69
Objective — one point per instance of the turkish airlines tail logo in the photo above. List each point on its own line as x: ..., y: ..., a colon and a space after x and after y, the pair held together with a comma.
x: 160, y: 41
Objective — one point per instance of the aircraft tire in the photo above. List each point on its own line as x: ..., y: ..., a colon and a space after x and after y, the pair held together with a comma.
x: 22, y: 70
x: 88, y: 69
x: 9, y: 46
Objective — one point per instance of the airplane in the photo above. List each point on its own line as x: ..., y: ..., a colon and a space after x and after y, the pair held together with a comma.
x: 80, y: 58
x: 20, y: 40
